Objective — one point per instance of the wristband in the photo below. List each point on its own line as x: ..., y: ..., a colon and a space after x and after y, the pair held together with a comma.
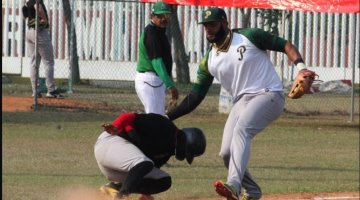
x: 299, y: 60
x: 300, y: 66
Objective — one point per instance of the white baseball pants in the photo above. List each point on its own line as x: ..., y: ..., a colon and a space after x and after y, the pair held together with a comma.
x: 46, y: 54
x: 115, y: 157
x: 151, y: 92
x: 248, y: 116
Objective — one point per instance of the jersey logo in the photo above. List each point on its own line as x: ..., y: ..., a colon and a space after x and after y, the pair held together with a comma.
x: 241, y: 50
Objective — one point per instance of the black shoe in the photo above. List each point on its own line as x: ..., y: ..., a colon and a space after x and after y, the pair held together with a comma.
x: 38, y: 95
x: 54, y: 95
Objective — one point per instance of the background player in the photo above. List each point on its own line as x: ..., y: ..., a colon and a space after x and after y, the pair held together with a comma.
x: 45, y: 48
x: 154, y: 66
x: 132, y: 149
x: 238, y: 60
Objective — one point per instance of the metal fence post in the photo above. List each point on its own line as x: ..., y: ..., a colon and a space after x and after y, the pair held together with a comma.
x: 71, y: 56
x: 37, y: 66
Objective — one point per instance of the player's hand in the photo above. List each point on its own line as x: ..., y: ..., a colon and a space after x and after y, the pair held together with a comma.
x: 43, y: 22
x: 110, y: 128
x: 174, y: 93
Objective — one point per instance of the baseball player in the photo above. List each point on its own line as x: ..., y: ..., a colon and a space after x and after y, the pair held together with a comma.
x: 133, y: 147
x: 154, y: 66
x: 45, y: 48
x: 238, y: 59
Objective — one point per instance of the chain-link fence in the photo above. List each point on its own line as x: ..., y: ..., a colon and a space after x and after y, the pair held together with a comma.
x: 97, y: 42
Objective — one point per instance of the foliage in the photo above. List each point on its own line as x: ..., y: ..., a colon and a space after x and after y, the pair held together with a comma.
x: 271, y: 18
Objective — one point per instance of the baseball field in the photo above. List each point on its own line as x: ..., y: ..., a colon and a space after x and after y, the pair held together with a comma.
x: 48, y: 154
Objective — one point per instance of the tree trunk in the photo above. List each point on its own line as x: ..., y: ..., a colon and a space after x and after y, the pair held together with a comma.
x: 245, y: 15
x: 181, y: 59
x: 72, y: 44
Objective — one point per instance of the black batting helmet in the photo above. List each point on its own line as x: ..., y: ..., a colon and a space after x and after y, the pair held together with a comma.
x: 195, y: 143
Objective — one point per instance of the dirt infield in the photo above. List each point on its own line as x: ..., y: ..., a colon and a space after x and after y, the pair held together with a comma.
x: 13, y: 104
x: 89, y: 194
x: 80, y: 193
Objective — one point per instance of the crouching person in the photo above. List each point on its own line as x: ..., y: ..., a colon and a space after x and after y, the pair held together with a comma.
x: 133, y: 147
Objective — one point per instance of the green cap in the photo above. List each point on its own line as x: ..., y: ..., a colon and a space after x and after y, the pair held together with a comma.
x: 213, y: 15
x: 161, y: 8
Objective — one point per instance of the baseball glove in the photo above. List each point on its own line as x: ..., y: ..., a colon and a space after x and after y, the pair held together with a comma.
x: 302, y: 83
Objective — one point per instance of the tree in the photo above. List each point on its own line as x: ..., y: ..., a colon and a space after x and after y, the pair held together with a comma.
x: 245, y: 16
x: 72, y: 44
x: 181, y: 59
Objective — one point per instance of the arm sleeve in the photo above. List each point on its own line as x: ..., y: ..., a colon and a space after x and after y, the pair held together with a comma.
x: 160, y: 69
x: 204, y: 79
x: 124, y: 122
x: 190, y: 102
x: 198, y: 91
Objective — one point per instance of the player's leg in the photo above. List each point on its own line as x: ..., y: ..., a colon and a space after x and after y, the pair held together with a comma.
x: 135, y: 176
x: 260, y: 111
x: 225, y: 189
x: 46, y: 52
x: 251, y: 188
x: 116, y: 157
x: 114, y: 153
x: 154, y: 182
x: 30, y: 39
x: 151, y: 92
x: 135, y: 181
x: 229, y: 130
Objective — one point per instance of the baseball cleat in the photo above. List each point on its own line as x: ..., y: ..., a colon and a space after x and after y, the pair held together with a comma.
x: 38, y: 95
x: 111, y: 189
x: 248, y: 198
x: 54, y: 95
x: 225, y: 190
x: 146, y: 197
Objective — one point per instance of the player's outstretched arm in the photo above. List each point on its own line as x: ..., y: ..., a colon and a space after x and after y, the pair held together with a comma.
x: 190, y: 102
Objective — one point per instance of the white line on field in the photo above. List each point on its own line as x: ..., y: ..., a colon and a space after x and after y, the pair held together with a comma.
x: 334, y: 198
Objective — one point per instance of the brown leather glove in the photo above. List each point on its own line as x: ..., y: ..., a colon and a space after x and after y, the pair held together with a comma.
x: 302, y: 83
x: 110, y: 129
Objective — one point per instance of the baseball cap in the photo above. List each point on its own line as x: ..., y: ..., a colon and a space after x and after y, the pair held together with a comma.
x: 161, y: 8
x: 212, y: 15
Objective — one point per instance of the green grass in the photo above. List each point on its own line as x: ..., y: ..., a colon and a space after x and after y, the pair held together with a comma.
x: 122, y: 95
x: 46, y: 152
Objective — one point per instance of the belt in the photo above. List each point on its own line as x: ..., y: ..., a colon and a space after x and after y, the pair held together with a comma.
x: 151, y: 72
x: 145, y: 71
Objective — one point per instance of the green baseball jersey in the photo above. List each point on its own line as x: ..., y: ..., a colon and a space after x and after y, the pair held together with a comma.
x: 155, y: 53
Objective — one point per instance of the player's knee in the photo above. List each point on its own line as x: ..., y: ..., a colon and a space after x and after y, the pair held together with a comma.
x: 166, y: 183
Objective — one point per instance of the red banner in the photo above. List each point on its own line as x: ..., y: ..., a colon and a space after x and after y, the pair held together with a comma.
x: 328, y: 6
